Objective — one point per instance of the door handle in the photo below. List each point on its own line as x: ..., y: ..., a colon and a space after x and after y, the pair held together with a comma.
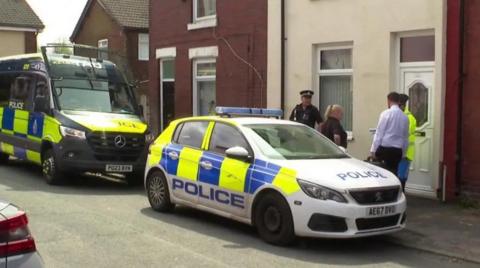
x: 206, y: 165
x: 420, y: 133
x: 173, y: 155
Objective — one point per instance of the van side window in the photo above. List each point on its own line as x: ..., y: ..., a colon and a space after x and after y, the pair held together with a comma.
x: 16, y: 90
x: 42, y: 96
x: 192, y: 134
x: 4, y: 90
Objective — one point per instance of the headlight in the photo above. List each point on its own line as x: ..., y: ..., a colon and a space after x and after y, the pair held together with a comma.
x: 319, y: 192
x: 149, y: 137
x: 71, y: 132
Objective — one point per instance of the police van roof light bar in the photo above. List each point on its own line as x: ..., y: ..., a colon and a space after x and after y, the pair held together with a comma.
x: 255, y: 112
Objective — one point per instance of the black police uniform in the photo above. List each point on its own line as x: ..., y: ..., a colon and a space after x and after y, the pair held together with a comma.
x: 309, y: 116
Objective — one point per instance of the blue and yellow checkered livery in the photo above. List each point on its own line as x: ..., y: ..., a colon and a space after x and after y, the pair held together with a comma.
x: 228, y: 174
x: 22, y: 133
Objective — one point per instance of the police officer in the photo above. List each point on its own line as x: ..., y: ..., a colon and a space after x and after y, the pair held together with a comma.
x: 305, y: 112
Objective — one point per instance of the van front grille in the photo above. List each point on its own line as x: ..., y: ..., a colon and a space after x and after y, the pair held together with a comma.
x: 124, y: 147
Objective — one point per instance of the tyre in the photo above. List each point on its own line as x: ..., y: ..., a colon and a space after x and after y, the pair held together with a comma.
x: 273, y: 220
x: 158, y: 193
x: 4, y: 158
x: 50, y: 169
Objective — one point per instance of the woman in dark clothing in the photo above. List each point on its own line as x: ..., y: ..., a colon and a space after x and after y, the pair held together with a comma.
x: 332, y: 128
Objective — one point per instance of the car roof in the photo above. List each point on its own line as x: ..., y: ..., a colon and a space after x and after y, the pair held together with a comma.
x: 242, y: 120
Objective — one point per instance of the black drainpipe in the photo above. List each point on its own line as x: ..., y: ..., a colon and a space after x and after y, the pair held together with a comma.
x: 460, y: 98
x: 282, y: 64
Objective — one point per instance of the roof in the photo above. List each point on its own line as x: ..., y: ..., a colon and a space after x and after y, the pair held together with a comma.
x: 241, y: 120
x: 17, y: 13
x: 127, y: 13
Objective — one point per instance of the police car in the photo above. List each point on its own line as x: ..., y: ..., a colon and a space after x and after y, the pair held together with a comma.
x: 282, y: 177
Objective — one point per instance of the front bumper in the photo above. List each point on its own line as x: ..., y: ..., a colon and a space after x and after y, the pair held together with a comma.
x: 330, y: 219
x: 76, y: 155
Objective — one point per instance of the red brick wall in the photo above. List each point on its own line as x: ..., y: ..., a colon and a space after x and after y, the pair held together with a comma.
x: 470, y: 180
x: 138, y: 68
x: 30, y: 42
x: 242, y: 23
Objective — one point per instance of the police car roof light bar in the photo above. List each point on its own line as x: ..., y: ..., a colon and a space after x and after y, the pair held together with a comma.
x: 255, y: 112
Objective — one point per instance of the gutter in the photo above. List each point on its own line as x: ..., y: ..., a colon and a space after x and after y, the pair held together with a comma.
x: 282, y: 56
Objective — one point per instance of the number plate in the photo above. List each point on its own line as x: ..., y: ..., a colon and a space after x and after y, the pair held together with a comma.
x: 381, y: 211
x: 119, y: 168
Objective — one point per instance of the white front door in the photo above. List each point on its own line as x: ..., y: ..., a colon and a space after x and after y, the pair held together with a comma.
x: 418, y: 83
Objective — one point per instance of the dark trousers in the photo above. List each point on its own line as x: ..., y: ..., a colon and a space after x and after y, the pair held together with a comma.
x: 391, y: 157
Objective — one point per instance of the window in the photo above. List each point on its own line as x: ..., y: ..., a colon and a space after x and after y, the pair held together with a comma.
x: 204, y: 92
x: 225, y: 137
x: 335, y: 82
x: 16, y: 90
x: 103, y: 49
x: 417, y: 48
x: 143, y: 47
x: 204, y: 9
x: 286, y: 142
x: 168, y: 91
x: 191, y: 134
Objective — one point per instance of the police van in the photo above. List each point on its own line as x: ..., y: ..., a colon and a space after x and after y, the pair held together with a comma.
x: 70, y: 114
x: 282, y: 177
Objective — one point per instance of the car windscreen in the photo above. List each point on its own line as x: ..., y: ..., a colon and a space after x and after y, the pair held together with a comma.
x: 290, y: 142
x: 94, y: 96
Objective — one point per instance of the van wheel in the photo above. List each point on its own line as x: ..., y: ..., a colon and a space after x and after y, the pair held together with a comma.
x: 4, y: 158
x: 158, y: 193
x: 273, y: 220
x: 50, y: 169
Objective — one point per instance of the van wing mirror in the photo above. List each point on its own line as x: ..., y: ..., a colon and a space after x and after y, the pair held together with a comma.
x: 42, y: 105
x: 238, y: 153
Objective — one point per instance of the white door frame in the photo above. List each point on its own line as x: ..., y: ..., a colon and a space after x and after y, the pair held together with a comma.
x: 400, y: 69
x: 161, y: 81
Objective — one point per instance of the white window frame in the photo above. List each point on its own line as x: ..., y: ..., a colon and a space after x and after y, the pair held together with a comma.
x: 141, y: 45
x: 197, y: 79
x: 100, y: 45
x: 201, y: 22
x: 332, y: 72
x: 162, y: 80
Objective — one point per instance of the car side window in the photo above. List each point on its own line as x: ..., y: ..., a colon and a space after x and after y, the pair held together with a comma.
x: 192, y: 133
x: 225, y: 137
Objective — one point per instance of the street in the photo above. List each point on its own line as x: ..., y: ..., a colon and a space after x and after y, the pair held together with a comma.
x: 93, y: 222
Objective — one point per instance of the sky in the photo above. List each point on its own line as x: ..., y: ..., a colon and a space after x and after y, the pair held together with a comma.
x: 59, y: 18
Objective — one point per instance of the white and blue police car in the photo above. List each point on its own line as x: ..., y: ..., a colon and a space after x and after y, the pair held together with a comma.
x: 282, y: 177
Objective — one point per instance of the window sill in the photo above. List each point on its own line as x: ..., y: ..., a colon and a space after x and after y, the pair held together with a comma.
x: 201, y: 24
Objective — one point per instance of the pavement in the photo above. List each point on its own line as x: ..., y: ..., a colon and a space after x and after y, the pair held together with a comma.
x: 447, y: 229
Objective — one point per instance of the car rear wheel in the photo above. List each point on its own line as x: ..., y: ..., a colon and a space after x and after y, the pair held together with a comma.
x: 50, y: 169
x: 4, y: 158
x: 273, y: 220
x: 158, y: 193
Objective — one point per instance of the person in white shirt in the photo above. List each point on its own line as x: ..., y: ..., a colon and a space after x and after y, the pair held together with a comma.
x: 390, y: 142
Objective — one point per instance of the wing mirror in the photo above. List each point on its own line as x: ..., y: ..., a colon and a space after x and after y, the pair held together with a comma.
x: 238, y: 153
x: 42, y: 105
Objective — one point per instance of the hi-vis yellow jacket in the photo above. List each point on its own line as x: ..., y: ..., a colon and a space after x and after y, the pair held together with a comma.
x: 411, y: 134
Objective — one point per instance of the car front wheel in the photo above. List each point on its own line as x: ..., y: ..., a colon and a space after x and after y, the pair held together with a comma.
x: 158, y: 193
x: 273, y: 220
